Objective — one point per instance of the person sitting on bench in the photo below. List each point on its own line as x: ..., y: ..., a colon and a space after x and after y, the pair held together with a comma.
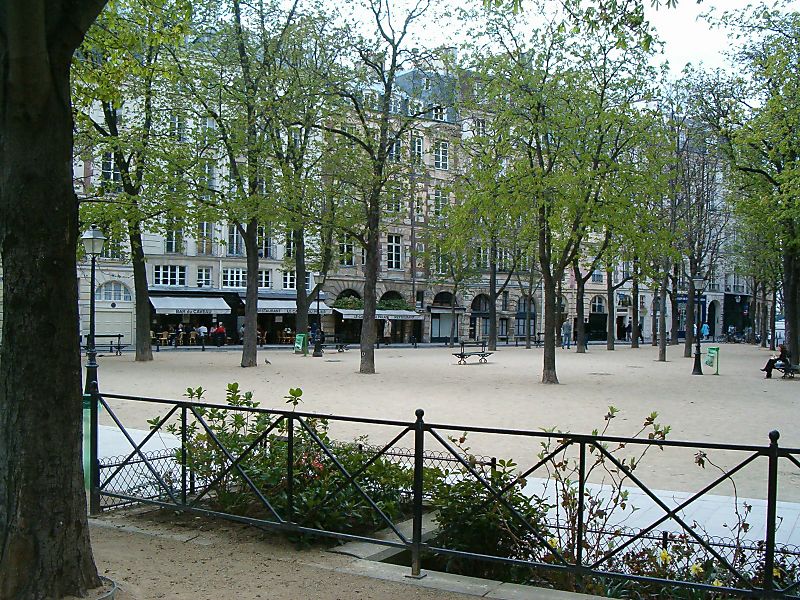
x: 776, y: 361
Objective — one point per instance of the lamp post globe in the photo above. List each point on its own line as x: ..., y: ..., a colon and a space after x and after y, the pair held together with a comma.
x: 698, y: 282
x: 93, y: 240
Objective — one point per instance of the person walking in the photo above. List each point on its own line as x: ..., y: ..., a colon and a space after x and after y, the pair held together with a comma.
x: 566, y: 334
x: 704, y: 330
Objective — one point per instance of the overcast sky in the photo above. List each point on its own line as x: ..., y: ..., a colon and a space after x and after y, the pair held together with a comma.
x: 689, y: 38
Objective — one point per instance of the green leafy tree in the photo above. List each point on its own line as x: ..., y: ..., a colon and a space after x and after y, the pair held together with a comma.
x: 127, y: 128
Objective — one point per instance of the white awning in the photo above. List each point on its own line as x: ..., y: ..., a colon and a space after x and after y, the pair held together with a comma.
x: 187, y: 305
x: 290, y: 307
x: 392, y: 315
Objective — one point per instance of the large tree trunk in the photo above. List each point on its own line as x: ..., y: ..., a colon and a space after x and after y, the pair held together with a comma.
x: 635, y: 330
x: 493, y: 296
x: 772, y: 309
x: 44, y: 537
x: 549, y: 362
x: 250, y: 338
x: 662, y: 319
x: 763, y: 316
x: 371, y: 270
x: 301, y: 317
x: 690, y: 321
x: 144, y: 348
x: 610, y: 324
x: 790, y: 290
x: 580, y: 326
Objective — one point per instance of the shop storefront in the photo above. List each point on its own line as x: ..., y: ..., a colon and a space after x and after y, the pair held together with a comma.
x: 276, y: 318
x: 388, y: 324
x: 192, y: 310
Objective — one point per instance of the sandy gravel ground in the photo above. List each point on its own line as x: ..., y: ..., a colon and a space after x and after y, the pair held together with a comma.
x: 738, y: 406
x: 160, y: 556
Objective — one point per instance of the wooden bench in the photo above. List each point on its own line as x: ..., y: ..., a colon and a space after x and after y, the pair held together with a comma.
x: 482, y: 354
x: 789, y: 371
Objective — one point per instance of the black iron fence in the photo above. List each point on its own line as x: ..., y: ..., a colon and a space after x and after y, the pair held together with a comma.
x: 559, y: 522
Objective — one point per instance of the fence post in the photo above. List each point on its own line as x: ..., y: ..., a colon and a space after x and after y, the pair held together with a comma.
x: 94, y: 460
x: 581, y: 504
x: 419, y: 456
x: 290, y: 470
x: 772, y: 510
x: 183, y: 454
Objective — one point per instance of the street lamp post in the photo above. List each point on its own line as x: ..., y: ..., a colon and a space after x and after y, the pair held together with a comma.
x: 318, y: 341
x: 698, y: 285
x: 93, y: 240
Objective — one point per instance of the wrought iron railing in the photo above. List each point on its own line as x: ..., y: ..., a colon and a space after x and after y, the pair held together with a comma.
x: 565, y: 540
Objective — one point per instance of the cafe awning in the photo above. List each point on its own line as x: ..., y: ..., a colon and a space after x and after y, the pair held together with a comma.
x: 290, y: 307
x: 392, y: 315
x: 187, y: 305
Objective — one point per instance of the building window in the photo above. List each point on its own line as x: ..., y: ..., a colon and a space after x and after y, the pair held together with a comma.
x: 440, y: 262
x: 308, y: 281
x: 396, y: 105
x: 264, y: 278
x: 394, y: 248
x: 289, y: 280
x: 265, y: 243
x: 480, y: 127
x: 289, y: 246
x: 503, y: 329
x: 416, y: 148
x: 626, y: 270
x: 111, y: 178
x: 112, y: 248
x: 598, y: 305
x: 482, y: 257
x: 439, y: 113
x: 177, y: 127
x: 597, y: 276
x: 174, y: 241
x: 235, y: 241
x: 438, y: 202
x: 346, y: 256
x: 394, y: 151
x: 169, y: 275
x: 205, y: 238
x: 441, y: 155
x: 504, y: 301
x: 204, y: 277
x: 113, y: 290
x: 234, y: 278
x: 210, y: 183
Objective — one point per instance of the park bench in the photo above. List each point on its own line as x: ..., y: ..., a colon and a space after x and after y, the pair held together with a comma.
x: 115, y: 347
x: 482, y: 354
x: 340, y: 346
x: 788, y: 370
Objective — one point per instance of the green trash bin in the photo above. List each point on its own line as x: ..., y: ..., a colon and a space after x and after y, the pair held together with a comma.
x: 712, y: 358
x: 301, y: 344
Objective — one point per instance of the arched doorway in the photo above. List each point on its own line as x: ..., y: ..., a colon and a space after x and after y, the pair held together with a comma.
x: 479, y: 317
x: 598, y: 319
x: 347, y: 330
x: 713, y: 311
x: 443, y: 322
x: 392, y: 330
x: 526, y: 306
